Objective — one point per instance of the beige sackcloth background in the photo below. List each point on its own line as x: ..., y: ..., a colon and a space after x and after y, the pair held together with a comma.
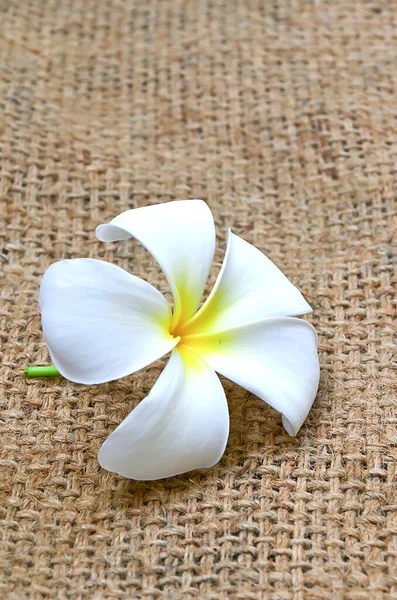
x: 282, y: 116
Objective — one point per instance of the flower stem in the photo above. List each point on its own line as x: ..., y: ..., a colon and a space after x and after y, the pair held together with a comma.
x: 47, y: 371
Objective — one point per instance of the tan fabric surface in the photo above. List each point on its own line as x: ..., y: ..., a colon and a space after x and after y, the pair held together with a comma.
x: 283, y: 117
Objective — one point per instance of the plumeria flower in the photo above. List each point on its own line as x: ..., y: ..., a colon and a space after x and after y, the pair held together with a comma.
x: 101, y: 323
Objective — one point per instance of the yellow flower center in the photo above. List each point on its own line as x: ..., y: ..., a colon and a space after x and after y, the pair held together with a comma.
x: 176, y: 332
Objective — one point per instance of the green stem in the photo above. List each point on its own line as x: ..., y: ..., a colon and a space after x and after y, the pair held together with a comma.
x: 48, y: 371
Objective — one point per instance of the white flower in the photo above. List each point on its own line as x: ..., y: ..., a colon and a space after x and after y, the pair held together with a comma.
x: 102, y: 323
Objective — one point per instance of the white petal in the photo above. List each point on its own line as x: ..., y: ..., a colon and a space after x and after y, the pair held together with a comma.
x: 100, y: 322
x: 276, y: 359
x: 183, y: 424
x: 249, y: 288
x: 181, y: 237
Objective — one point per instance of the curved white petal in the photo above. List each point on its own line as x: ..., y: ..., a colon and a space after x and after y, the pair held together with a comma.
x: 181, y: 237
x: 276, y: 359
x: 249, y: 288
x: 183, y: 424
x: 100, y: 322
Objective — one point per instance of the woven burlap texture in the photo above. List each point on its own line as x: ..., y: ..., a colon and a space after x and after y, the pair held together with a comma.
x: 282, y: 116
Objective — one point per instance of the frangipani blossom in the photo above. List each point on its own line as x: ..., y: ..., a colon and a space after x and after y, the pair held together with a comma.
x: 101, y: 323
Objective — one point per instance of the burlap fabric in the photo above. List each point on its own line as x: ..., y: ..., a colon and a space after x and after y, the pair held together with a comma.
x: 282, y: 116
